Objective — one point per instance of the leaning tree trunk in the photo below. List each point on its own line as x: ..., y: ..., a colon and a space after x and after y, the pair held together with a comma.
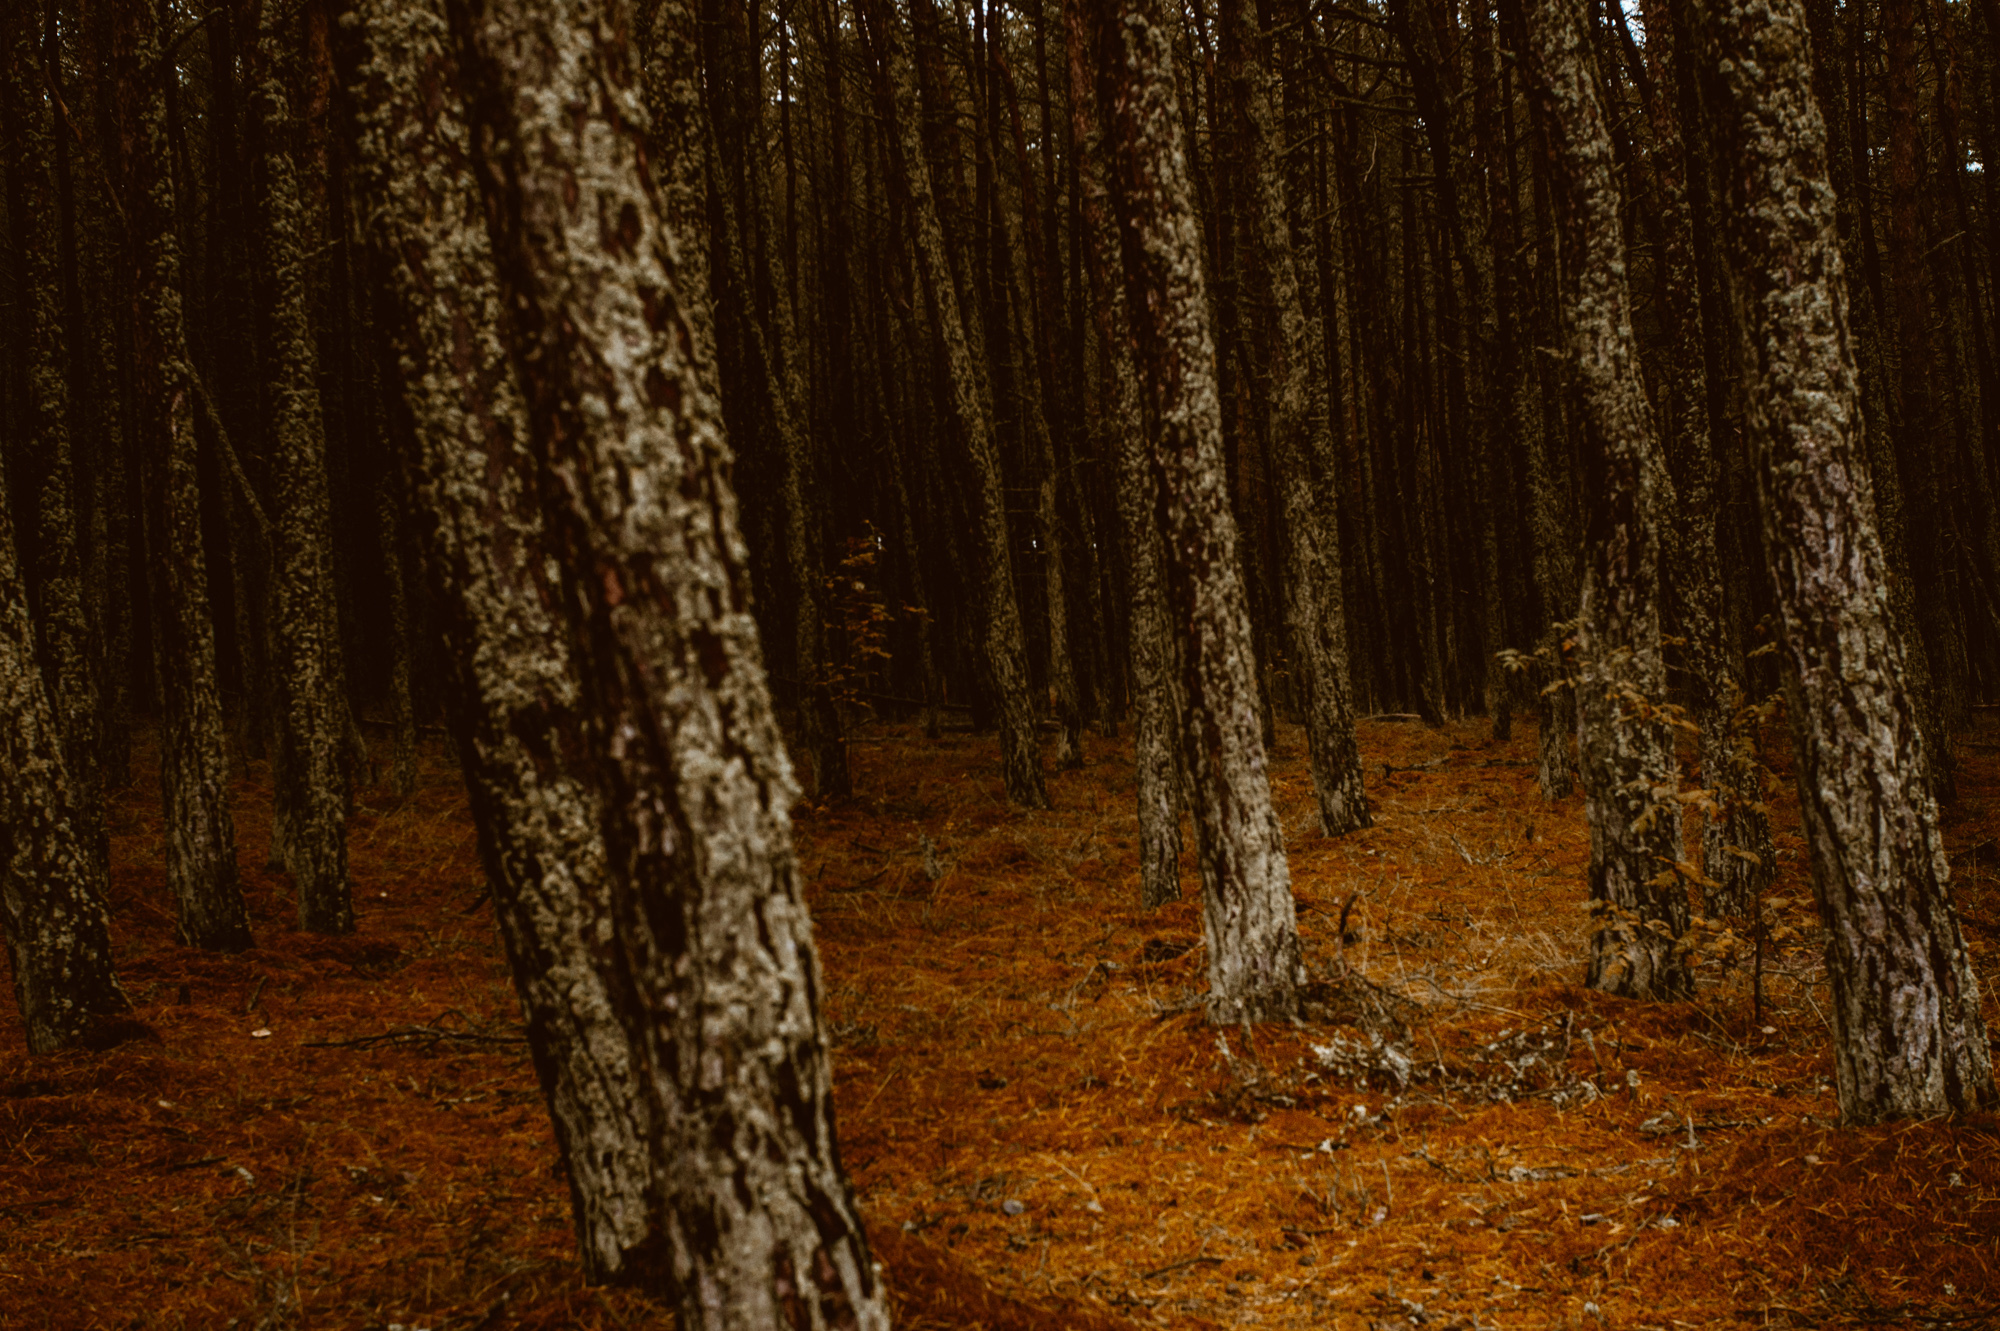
x: 309, y: 813
x: 65, y: 626
x: 1908, y: 1035
x: 1626, y: 749
x: 628, y: 778
x: 1301, y: 424
x: 50, y: 901
x: 1156, y: 746
x: 194, y: 767
x: 1255, y: 969
x: 971, y: 418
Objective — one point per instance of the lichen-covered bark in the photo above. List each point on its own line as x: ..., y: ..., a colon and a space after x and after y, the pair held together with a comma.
x: 1625, y: 747
x: 629, y: 782
x: 971, y: 420
x: 1254, y: 964
x: 1301, y: 439
x: 50, y: 904
x: 1908, y: 1034
x: 309, y: 813
x: 27, y: 144
x: 1156, y: 746
x: 1738, y: 859
x: 194, y: 768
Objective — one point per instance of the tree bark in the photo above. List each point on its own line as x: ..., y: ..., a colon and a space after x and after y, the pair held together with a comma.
x: 629, y: 783
x: 1301, y: 435
x: 1737, y: 854
x: 51, y: 902
x: 65, y: 620
x: 971, y: 419
x: 309, y: 803
x: 1255, y: 968
x: 1156, y: 702
x: 1908, y: 1035
x: 1625, y: 747
x: 194, y: 767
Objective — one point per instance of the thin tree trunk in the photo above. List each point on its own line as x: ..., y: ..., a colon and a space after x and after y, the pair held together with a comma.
x: 1626, y: 748
x: 1737, y: 854
x: 64, y: 617
x: 51, y: 901
x: 1255, y: 969
x: 971, y: 419
x: 1156, y: 700
x: 773, y: 345
x: 194, y: 767
x: 309, y: 805
x: 1908, y: 1036
x: 629, y: 782
x: 1301, y: 432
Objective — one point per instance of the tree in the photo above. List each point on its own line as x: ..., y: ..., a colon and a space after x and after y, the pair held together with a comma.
x: 1156, y: 744
x: 1300, y: 426
x: 51, y: 902
x: 25, y: 124
x: 968, y: 403
x: 309, y: 813
x: 1626, y: 749
x: 1908, y: 1035
x: 1255, y: 969
x: 627, y: 776
x: 194, y: 768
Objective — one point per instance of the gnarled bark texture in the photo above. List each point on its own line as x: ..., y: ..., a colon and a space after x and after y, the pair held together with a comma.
x: 628, y: 779
x: 1626, y: 749
x: 1908, y: 1035
x: 309, y: 805
x: 1255, y: 969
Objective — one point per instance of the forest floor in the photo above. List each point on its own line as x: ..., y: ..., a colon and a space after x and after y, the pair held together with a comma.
x: 1043, y: 1129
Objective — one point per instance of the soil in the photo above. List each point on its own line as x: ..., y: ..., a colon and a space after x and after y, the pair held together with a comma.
x: 1043, y: 1129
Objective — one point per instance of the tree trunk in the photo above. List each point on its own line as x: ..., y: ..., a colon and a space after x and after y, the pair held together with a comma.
x: 194, y: 767
x: 971, y: 419
x: 779, y: 367
x: 1737, y: 855
x: 1626, y: 749
x: 1156, y: 701
x: 1908, y: 1036
x: 50, y: 891
x: 309, y: 800
x: 1301, y: 435
x: 1255, y: 969
x: 65, y: 621
x: 629, y: 782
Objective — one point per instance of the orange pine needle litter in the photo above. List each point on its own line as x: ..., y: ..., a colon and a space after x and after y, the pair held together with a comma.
x: 1043, y: 1130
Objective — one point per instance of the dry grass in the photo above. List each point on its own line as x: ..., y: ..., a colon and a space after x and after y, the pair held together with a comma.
x: 1042, y: 1133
